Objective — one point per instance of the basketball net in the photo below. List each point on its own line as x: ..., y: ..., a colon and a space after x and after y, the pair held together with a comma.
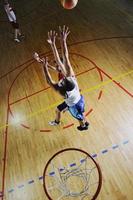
x: 79, y: 180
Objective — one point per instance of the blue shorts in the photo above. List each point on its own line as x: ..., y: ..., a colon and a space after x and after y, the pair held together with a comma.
x: 78, y: 109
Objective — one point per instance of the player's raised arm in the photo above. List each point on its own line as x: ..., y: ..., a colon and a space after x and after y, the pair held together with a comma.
x: 51, y: 40
x: 64, y: 32
x: 45, y: 64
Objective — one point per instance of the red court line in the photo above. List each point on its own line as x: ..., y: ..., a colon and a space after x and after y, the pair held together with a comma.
x: 6, y: 131
x: 99, y: 71
x: 124, y: 89
x: 16, y: 68
x: 17, y: 77
x: 23, y: 125
x: 118, y: 84
x: 6, y: 137
x: 11, y: 112
x: 45, y: 130
x: 78, y: 74
x: 100, y: 94
x: 21, y: 65
x: 5, y: 153
x: 88, y: 112
x: 100, y: 74
x: 23, y: 98
x: 86, y: 58
x: 84, y: 72
x: 104, y: 38
x: 69, y: 45
x: 68, y: 126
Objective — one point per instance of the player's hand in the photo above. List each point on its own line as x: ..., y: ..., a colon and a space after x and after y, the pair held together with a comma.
x: 45, y: 62
x: 51, y: 37
x: 64, y: 32
x: 37, y: 58
x: 58, y: 69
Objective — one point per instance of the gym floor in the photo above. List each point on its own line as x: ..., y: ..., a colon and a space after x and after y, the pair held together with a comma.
x: 101, y: 51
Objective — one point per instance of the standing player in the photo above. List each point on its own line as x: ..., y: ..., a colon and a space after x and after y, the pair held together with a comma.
x: 68, y: 86
x: 12, y: 19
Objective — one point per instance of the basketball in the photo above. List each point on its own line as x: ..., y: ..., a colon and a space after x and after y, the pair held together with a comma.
x: 69, y: 4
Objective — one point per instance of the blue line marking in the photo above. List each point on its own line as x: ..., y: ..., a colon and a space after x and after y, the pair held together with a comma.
x: 31, y: 181
x: 115, y: 146
x: 72, y: 164
x: 51, y: 173
x: 94, y: 155
x: 82, y: 160
x: 104, y: 151
x: 12, y: 190
x: 41, y: 177
x: 20, y: 186
x: 126, y: 142
x: 61, y: 169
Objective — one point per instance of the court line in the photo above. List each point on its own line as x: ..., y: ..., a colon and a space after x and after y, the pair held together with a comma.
x: 118, y: 84
x: 104, y: 83
x: 78, y: 74
x: 5, y: 153
x: 88, y: 112
x: 100, y: 95
x: 6, y: 131
x: 44, y: 89
x: 52, y: 173
x: 69, y: 45
x: 67, y: 126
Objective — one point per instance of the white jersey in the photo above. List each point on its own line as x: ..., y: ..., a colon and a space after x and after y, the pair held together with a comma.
x: 10, y: 13
x: 73, y: 96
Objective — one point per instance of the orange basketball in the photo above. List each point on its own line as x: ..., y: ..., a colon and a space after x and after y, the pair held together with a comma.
x: 69, y: 4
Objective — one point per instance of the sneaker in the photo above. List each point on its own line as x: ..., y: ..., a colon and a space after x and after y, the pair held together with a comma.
x: 22, y: 36
x: 86, y: 123
x: 82, y: 128
x: 54, y: 123
x: 16, y: 40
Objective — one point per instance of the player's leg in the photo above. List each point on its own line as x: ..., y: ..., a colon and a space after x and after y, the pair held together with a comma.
x: 77, y: 111
x: 83, y: 125
x: 60, y: 108
x: 16, y: 31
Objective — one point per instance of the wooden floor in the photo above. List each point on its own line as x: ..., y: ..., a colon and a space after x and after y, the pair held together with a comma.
x: 101, y: 51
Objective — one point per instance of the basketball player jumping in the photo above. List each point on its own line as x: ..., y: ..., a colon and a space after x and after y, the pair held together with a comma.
x: 67, y: 86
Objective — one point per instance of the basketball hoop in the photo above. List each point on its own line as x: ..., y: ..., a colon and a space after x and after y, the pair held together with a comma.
x: 72, y: 174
